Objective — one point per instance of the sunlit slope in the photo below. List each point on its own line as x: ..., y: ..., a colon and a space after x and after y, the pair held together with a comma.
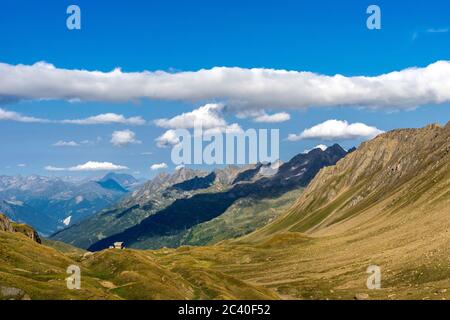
x: 39, y: 272
x: 388, y: 203
x: 397, y: 177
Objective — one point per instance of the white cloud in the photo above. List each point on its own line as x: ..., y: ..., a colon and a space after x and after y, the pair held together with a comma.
x: 239, y: 87
x: 229, y: 129
x: 90, y: 166
x: 22, y: 165
x: 107, y: 118
x: 148, y: 153
x: 167, y: 139
x: 6, y: 115
x: 170, y: 137
x: 124, y: 138
x: 336, y: 130
x: 158, y: 166
x: 62, y: 143
x: 179, y: 167
x: 273, y: 118
x: 263, y: 116
x: 207, y: 116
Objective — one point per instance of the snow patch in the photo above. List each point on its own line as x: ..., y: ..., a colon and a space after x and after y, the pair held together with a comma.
x: 320, y: 146
x: 66, y: 221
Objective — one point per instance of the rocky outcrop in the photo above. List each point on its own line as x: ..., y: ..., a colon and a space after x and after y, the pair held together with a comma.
x: 5, y: 224
x: 27, y: 231
x: 8, y: 226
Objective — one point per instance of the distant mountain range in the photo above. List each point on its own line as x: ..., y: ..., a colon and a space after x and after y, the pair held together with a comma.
x: 191, y: 207
x: 50, y: 203
x: 118, y: 182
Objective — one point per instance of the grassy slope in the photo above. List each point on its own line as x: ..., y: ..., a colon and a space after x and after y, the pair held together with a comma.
x: 241, y: 218
x: 64, y: 248
x: 40, y: 271
x: 386, y: 204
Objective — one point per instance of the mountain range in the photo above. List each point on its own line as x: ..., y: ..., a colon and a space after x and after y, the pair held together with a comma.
x: 198, y: 208
x: 386, y: 204
x: 51, y: 203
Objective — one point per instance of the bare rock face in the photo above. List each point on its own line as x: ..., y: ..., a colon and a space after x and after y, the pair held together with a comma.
x: 8, y: 226
x: 28, y: 231
x: 5, y: 224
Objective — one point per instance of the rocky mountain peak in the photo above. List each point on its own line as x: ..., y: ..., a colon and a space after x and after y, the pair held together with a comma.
x: 377, y: 169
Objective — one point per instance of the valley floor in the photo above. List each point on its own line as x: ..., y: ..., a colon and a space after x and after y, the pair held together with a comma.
x: 414, y: 262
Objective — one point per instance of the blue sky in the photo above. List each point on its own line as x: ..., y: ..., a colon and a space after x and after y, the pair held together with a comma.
x: 325, y: 37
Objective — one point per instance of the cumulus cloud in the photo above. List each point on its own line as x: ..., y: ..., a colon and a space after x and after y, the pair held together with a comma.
x: 257, y: 88
x: 273, y: 118
x: 167, y: 139
x: 62, y: 143
x: 336, y: 130
x: 233, y: 128
x: 90, y: 166
x: 171, y: 138
x: 207, y: 116
x: 107, y: 118
x: 158, y: 166
x: 6, y: 115
x: 124, y: 138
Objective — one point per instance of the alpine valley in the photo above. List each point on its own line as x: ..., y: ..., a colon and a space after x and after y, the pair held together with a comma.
x: 309, y: 231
